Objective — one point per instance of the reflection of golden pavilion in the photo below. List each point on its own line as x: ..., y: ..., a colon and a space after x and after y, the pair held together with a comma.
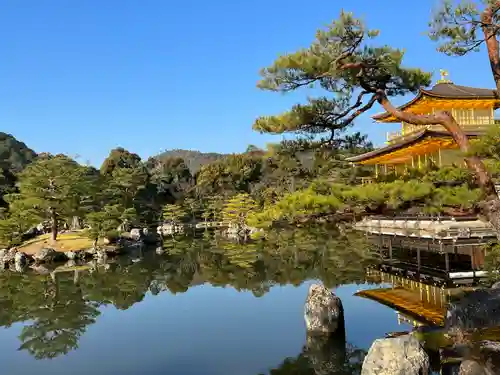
x: 419, y: 302
x: 416, y: 146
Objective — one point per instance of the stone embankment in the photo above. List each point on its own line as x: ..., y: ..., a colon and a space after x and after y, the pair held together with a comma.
x: 39, y: 251
x: 229, y: 230
x: 16, y: 260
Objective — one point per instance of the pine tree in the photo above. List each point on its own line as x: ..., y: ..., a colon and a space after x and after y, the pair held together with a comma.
x: 55, y: 188
x: 107, y: 221
x: 237, y: 209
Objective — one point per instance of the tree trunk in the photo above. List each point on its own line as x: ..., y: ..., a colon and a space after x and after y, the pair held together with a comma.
x: 490, y: 206
x: 75, y: 223
x: 53, y: 217
x: 489, y: 31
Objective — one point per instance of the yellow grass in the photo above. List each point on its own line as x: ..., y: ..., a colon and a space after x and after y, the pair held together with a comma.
x: 65, y: 242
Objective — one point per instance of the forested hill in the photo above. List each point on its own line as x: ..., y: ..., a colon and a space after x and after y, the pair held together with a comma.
x: 193, y: 159
x: 14, y: 154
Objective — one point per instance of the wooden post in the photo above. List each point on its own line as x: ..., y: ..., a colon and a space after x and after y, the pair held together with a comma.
x: 376, y: 170
x: 440, y: 160
x: 390, y: 249
x: 447, y: 262
x: 418, y: 259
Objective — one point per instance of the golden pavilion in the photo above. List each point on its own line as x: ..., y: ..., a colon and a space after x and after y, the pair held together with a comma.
x: 417, y: 146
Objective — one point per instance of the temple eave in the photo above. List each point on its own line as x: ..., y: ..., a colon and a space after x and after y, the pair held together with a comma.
x: 421, y: 143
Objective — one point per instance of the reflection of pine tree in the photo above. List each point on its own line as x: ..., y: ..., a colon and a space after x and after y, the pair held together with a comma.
x: 59, y: 324
x: 60, y: 313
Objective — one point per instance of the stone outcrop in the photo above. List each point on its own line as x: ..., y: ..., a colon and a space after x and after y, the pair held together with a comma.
x: 323, y: 311
x: 7, y: 256
x: 475, y: 310
x: 401, y: 355
x: 470, y: 367
x: 169, y: 229
x: 45, y: 255
x: 136, y: 234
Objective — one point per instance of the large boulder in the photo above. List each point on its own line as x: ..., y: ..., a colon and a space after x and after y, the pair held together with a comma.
x: 20, y: 259
x: 46, y: 255
x: 7, y: 256
x: 136, y: 234
x: 323, y: 311
x: 30, y: 233
x: 481, y: 358
x: 401, y: 355
x: 470, y: 367
x: 475, y: 310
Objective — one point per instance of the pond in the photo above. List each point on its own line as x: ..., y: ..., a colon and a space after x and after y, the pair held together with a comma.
x: 205, y: 306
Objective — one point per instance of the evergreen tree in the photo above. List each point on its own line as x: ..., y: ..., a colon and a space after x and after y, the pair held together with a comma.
x: 119, y: 158
x: 54, y: 187
x: 106, y: 222
x: 237, y: 209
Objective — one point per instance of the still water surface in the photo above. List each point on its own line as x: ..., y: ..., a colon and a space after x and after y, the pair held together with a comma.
x: 206, y: 306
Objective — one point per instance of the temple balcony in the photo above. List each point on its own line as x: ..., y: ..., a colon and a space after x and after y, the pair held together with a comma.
x: 398, y: 136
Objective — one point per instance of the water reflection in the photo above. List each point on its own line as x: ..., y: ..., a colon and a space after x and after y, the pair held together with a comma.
x: 57, y: 309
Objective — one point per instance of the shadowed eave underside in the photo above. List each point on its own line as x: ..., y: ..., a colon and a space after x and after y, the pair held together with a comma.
x: 420, y: 143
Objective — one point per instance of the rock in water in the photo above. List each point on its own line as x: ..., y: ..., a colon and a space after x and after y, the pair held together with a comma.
x: 323, y: 311
x: 401, y: 355
x: 476, y: 310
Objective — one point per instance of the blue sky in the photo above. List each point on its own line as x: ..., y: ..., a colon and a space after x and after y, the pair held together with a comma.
x: 84, y: 76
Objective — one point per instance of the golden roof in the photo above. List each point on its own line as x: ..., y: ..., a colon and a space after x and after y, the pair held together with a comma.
x: 445, y: 95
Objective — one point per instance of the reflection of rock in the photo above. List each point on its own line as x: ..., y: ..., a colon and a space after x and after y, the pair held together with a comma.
x: 477, y: 309
x: 401, y: 355
x: 40, y: 269
x: 326, y: 353
x: 323, y: 311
